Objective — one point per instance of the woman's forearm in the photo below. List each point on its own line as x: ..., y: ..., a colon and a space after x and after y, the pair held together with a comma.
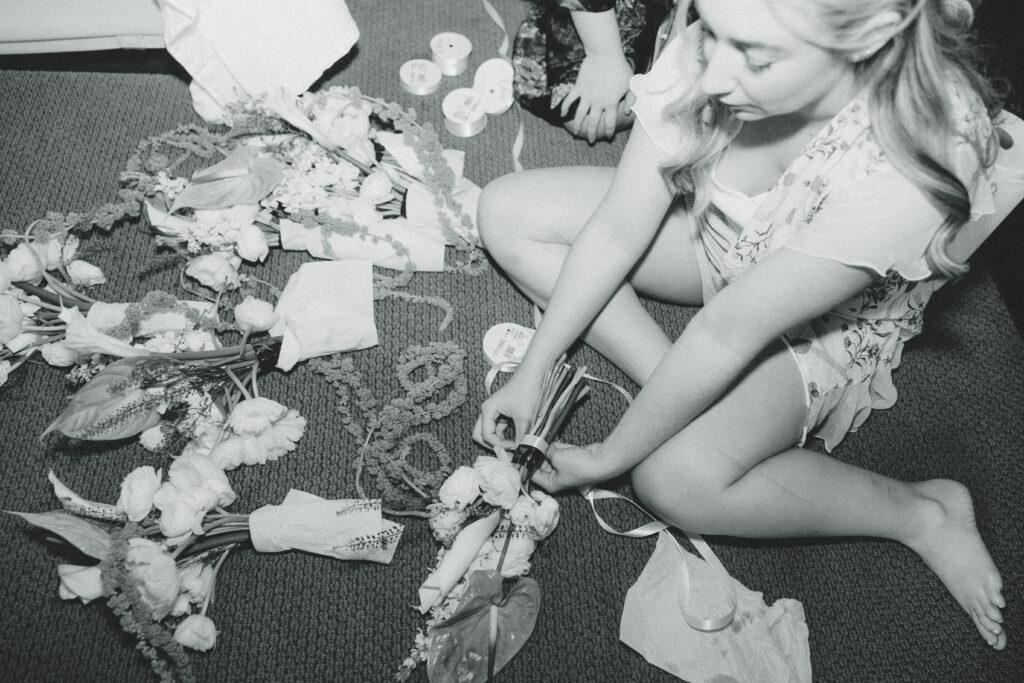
x: 696, y: 372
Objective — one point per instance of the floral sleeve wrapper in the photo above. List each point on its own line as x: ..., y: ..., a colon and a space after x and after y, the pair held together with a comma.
x: 343, y: 529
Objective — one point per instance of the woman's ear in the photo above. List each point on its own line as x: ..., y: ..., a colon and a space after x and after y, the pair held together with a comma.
x: 879, y: 31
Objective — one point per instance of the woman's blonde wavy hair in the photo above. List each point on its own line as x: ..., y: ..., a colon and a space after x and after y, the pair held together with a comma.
x: 908, y: 83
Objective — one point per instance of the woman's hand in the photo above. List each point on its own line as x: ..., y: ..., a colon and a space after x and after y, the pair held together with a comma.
x: 514, y: 403
x: 602, y: 83
x: 571, y: 467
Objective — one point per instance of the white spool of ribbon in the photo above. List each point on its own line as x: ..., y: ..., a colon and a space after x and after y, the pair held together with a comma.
x: 493, y: 82
x: 464, y: 113
x: 450, y: 51
x: 420, y: 76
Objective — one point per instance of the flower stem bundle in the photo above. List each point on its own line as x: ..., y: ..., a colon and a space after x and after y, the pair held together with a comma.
x: 563, y: 387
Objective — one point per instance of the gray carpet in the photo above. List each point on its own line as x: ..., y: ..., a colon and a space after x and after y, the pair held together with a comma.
x: 875, y: 612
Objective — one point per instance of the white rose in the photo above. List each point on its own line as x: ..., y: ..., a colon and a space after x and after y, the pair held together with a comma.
x: 197, y: 632
x: 459, y: 489
x: 499, y: 481
x: 255, y: 315
x: 544, y: 517
x: 181, y: 606
x: 229, y: 454
x: 76, y: 581
x: 59, y: 355
x: 85, y: 274
x: 521, y: 513
x: 517, y: 557
x: 255, y: 415
x: 23, y: 265
x: 376, y: 188
x: 137, y: 491
x: 446, y: 522
x: 251, y: 244
x: 155, y: 575
x: 179, y: 511
x: 152, y: 438
x: 213, y: 271
x: 199, y: 471
x: 49, y: 253
x: 197, y: 582
x: 11, y: 318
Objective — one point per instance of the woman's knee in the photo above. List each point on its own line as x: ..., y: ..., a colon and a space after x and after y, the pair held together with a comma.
x: 496, y: 215
x: 686, y: 491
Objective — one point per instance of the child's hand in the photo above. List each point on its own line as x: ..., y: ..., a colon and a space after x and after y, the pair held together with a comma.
x: 602, y: 83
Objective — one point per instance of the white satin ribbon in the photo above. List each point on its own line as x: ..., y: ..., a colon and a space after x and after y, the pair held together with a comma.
x: 713, y: 623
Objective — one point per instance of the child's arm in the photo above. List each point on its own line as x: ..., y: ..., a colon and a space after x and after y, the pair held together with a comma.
x: 604, y: 75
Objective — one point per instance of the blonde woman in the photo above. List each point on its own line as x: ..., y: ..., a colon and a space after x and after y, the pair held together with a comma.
x: 810, y: 172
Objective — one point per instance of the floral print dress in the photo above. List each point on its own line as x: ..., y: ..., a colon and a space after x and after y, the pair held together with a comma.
x: 841, y: 199
x: 547, y: 52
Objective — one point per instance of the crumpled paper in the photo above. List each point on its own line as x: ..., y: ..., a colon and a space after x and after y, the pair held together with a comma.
x: 234, y: 48
x: 326, y: 307
x: 762, y: 644
x: 347, y: 529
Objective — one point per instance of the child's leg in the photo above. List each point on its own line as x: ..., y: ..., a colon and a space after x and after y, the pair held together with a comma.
x: 734, y: 471
x: 529, y: 220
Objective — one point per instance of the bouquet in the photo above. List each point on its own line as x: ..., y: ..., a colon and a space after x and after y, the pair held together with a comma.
x: 489, y: 522
x: 161, y: 585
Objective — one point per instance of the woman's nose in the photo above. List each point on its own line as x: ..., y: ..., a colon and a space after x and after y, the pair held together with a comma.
x: 719, y: 78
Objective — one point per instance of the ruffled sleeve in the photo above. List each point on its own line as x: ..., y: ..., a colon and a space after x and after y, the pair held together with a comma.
x: 882, y: 223
x: 674, y: 72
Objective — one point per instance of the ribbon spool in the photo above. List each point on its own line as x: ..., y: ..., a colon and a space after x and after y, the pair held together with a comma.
x: 493, y: 81
x: 420, y: 76
x: 464, y: 114
x: 450, y: 51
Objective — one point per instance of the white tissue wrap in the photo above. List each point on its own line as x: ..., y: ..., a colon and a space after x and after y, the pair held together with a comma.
x: 234, y: 48
x: 326, y: 307
x: 347, y: 529
x: 762, y: 644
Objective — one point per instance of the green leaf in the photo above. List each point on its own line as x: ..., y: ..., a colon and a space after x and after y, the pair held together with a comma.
x: 96, y: 413
x: 241, y: 178
x: 459, y: 647
x: 86, y: 536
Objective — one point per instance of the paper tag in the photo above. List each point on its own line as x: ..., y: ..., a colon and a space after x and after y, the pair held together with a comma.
x: 506, y: 343
x: 420, y: 76
x: 450, y: 51
x: 464, y: 113
x: 493, y: 82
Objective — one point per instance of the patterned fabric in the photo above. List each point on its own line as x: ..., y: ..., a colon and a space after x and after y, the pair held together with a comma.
x: 547, y: 52
x: 840, y: 199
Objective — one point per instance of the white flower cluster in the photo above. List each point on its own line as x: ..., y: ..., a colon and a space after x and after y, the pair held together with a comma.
x: 261, y: 431
x: 496, y: 482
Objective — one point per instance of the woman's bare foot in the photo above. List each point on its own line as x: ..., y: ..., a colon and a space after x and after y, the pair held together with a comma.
x: 950, y: 544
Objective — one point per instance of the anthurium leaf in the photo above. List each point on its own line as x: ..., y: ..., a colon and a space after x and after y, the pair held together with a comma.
x: 97, y: 412
x: 460, y: 646
x: 86, y: 536
x: 241, y: 178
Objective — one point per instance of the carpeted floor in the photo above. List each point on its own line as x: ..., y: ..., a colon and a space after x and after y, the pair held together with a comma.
x: 875, y: 612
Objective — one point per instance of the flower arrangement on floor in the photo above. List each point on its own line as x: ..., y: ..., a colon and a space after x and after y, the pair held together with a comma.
x: 336, y: 174
x: 160, y: 549
x: 489, y: 522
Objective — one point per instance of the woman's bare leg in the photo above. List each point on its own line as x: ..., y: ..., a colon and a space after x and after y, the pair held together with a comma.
x: 734, y: 471
x: 529, y: 220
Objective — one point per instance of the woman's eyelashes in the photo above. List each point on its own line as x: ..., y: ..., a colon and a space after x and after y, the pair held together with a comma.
x: 706, y: 44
